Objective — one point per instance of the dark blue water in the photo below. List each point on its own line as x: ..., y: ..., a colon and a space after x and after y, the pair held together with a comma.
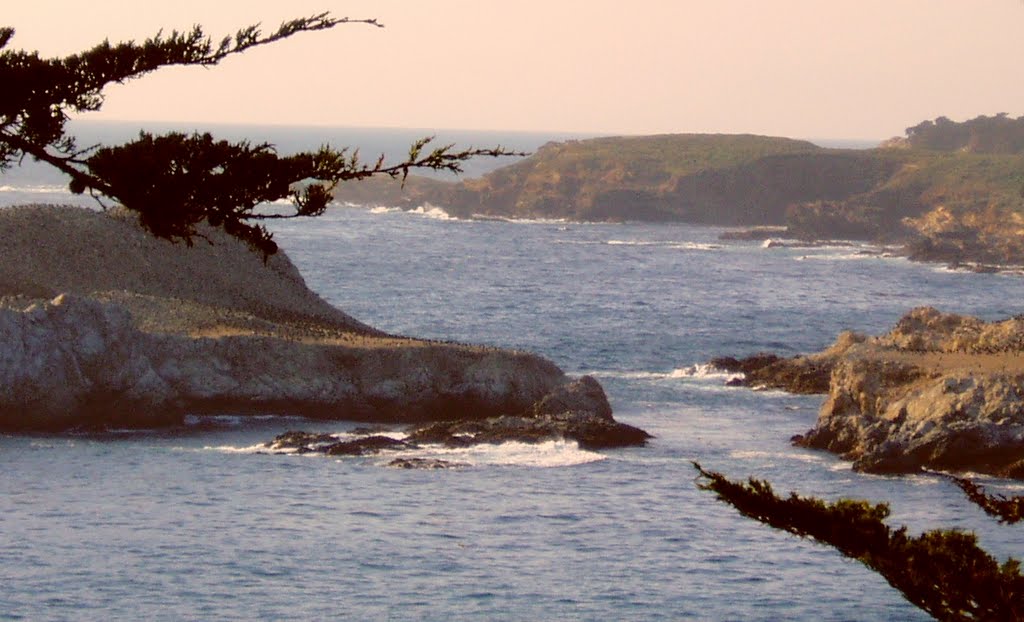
x: 192, y: 524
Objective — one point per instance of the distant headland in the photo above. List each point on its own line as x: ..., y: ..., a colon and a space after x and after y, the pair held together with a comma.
x: 946, y: 191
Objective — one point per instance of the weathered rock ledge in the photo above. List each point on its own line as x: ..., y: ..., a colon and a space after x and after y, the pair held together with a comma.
x: 940, y: 391
x: 142, y: 332
x: 75, y: 361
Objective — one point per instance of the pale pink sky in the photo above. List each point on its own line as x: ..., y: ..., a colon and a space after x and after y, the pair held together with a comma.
x: 802, y: 68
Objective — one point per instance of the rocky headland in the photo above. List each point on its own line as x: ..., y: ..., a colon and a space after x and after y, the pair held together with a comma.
x: 102, y: 325
x: 946, y: 192
x: 940, y: 391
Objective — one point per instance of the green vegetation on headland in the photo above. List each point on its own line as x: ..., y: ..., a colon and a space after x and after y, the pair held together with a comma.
x: 948, y: 191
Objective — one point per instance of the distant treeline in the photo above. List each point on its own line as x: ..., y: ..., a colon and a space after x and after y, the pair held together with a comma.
x: 997, y: 134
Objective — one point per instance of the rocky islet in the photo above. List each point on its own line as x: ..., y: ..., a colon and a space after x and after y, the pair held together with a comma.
x: 143, y: 331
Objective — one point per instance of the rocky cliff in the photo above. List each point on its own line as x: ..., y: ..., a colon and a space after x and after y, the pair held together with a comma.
x: 148, y: 331
x: 939, y: 391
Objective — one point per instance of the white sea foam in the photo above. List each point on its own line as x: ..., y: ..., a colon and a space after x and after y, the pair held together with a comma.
x: 541, y: 221
x: 630, y: 243
x: 380, y: 209
x: 36, y: 189
x: 741, y: 454
x: 841, y: 256
x: 549, y: 454
x: 704, y: 370
x: 432, y: 211
x: 701, y: 372
x: 695, y: 246
x: 251, y: 449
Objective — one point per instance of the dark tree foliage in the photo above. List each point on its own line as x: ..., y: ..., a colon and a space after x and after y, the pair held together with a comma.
x: 944, y: 572
x: 1006, y: 509
x: 176, y: 181
x: 996, y: 134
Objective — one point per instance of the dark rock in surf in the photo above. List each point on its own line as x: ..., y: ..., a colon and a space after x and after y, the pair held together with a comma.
x: 590, y: 431
x: 582, y: 395
x: 425, y: 464
x: 330, y: 445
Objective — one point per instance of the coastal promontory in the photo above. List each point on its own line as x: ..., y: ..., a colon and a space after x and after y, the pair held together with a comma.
x: 103, y: 325
x: 947, y: 191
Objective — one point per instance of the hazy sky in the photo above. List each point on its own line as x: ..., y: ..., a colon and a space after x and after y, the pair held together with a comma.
x: 802, y: 68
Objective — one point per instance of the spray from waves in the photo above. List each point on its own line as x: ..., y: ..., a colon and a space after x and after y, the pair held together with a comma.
x: 380, y: 209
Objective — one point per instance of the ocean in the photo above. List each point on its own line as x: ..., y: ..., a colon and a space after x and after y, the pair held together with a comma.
x: 196, y: 523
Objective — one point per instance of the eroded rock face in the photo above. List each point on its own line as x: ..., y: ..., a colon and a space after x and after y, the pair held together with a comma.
x: 892, y: 418
x: 939, y: 391
x: 75, y: 361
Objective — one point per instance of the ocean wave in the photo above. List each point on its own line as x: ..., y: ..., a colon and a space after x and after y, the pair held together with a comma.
x: 36, y: 189
x: 854, y: 256
x: 432, y: 211
x: 542, y: 221
x: 695, y: 246
x: 673, y: 244
x: 699, y: 372
x: 751, y: 454
x: 380, y: 209
x: 704, y: 370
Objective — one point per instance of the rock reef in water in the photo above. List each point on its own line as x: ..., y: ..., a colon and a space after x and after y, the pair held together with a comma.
x: 805, y: 374
x: 577, y: 412
x: 102, y: 325
x: 939, y: 391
